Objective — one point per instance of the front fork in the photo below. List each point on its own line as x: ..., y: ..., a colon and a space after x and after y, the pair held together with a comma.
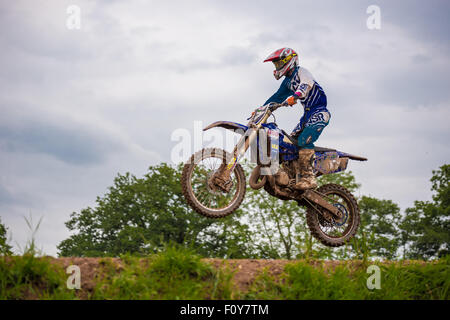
x: 222, y: 177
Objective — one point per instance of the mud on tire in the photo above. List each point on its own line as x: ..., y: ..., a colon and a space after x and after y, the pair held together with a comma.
x: 317, y: 223
x: 188, y: 192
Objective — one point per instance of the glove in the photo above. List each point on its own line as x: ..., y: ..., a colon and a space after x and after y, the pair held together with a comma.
x: 291, y: 100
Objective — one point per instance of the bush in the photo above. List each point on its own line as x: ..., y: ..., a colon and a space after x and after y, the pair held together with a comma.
x: 28, y: 277
x: 175, y: 273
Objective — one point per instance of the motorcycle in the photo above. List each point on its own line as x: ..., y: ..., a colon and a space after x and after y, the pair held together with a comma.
x: 214, y: 183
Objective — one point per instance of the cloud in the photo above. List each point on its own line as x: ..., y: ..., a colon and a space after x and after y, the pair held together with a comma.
x: 34, y: 131
x: 79, y: 106
x: 74, y: 145
x: 6, y: 196
x: 427, y: 22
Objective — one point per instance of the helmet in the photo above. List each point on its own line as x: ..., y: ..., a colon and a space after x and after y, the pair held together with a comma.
x: 284, y: 59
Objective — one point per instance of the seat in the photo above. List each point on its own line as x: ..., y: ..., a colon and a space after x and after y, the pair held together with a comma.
x: 322, y: 149
x: 293, y: 140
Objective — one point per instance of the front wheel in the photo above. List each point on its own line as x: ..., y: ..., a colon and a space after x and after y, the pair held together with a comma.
x: 199, y: 191
x: 333, y: 232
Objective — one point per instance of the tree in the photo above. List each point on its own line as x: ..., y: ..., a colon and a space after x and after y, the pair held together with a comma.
x: 379, y: 223
x: 139, y: 215
x: 425, y: 227
x: 276, y: 225
x: 5, y: 248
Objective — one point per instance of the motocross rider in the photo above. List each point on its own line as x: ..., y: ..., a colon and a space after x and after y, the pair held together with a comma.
x: 300, y: 84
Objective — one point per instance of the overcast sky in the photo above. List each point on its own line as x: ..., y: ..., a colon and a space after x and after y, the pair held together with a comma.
x: 79, y: 106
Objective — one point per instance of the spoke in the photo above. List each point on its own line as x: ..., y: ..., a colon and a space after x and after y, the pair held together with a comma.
x: 335, y: 230
x: 209, y: 201
x: 213, y: 199
x: 210, y: 164
x: 205, y: 194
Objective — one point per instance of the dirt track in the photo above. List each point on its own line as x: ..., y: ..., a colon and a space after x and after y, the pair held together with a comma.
x: 245, y: 270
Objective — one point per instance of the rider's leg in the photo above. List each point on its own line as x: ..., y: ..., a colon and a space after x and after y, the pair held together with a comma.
x: 306, y: 140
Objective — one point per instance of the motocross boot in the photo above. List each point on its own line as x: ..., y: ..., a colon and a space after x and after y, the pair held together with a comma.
x: 307, y: 177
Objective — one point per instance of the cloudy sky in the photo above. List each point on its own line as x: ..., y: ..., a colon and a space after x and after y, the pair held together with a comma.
x: 80, y: 105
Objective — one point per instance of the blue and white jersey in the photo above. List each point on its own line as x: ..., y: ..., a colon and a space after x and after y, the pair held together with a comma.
x: 313, y: 98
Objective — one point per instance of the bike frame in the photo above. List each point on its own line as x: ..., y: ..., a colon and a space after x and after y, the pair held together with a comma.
x: 244, y: 143
x: 286, y: 149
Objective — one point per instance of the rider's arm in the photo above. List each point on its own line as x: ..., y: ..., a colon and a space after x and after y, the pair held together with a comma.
x: 302, y: 90
x: 304, y: 84
x: 300, y: 93
x: 301, y: 85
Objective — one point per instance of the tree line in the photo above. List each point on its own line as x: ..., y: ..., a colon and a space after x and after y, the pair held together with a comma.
x: 141, y: 215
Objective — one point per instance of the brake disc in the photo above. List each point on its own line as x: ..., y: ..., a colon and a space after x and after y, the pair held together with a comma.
x: 343, y: 210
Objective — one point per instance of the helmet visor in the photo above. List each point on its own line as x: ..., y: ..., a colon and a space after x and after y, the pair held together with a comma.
x: 279, y: 64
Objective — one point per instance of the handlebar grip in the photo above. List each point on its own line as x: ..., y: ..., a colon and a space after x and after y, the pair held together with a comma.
x: 274, y: 107
x: 277, y: 105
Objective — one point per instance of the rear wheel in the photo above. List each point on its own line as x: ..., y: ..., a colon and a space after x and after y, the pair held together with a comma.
x: 199, y: 190
x: 334, y: 232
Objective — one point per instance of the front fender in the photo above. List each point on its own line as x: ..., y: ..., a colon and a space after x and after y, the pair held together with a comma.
x: 234, y: 126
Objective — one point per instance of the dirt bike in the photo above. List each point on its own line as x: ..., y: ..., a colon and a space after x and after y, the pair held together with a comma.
x: 214, y: 183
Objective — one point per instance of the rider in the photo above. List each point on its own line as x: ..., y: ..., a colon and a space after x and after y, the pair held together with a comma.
x: 300, y: 84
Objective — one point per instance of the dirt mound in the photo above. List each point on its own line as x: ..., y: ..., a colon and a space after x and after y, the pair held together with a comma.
x: 244, y: 270
x: 175, y: 274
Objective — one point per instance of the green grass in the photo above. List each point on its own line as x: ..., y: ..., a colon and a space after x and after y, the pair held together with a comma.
x: 178, y: 273
x: 406, y: 281
x: 29, y: 277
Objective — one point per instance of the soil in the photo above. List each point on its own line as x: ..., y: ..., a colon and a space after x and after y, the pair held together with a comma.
x: 89, y: 268
x: 245, y: 270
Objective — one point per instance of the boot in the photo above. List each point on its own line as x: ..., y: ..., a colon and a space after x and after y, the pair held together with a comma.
x: 308, y: 179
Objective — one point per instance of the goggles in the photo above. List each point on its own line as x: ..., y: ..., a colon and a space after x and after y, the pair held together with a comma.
x: 281, y: 62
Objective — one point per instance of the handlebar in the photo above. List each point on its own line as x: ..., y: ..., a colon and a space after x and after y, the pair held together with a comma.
x: 271, y: 106
x: 275, y: 106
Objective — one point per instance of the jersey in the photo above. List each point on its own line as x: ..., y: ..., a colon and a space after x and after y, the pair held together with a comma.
x: 313, y: 98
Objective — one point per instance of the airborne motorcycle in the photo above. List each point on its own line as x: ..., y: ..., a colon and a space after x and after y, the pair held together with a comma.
x: 214, y: 183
